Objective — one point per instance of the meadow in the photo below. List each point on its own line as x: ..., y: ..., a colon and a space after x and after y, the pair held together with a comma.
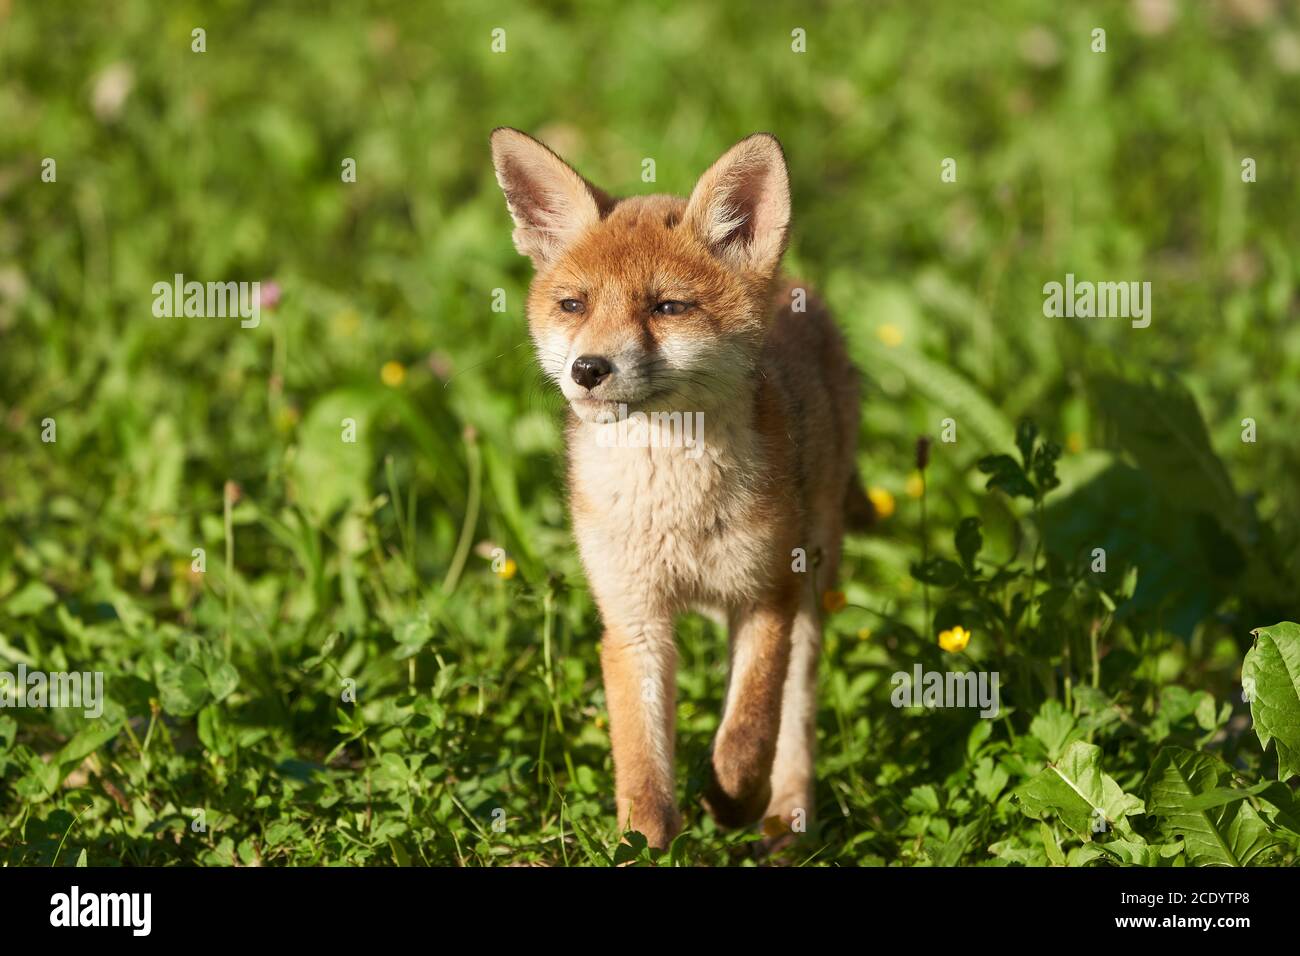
x: 381, y: 651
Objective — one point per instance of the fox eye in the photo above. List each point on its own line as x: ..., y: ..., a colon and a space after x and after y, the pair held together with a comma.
x: 572, y: 305
x: 671, y: 307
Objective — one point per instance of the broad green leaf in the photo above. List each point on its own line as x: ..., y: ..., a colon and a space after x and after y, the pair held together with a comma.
x: 182, y: 689
x: 1013, y: 851
x: 1050, y: 846
x: 32, y: 598
x: 1084, y: 854
x: 1157, y: 422
x: 922, y: 799
x: 87, y: 741
x: 1135, y: 851
x: 1270, y: 676
x: 990, y: 779
x: 1054, y: 726
x: 1222, y: 796
x: 1079, y: 794
x: 1281, y: 806
x: 1125, y: 512
x: 222, y: 680
x: 1226, y: 834
x: 634, y: 842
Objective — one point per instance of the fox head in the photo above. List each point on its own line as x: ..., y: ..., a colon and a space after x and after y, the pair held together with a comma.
x: 650, y: 301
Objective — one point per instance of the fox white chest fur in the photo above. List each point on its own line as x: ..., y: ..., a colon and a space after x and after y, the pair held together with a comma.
x: 672, y: 527
x: 672, y: 306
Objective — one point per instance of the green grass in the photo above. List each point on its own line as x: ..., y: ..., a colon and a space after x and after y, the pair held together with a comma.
x: 476, y: 733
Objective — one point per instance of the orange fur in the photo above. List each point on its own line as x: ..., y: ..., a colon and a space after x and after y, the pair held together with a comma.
x: 717, y: 525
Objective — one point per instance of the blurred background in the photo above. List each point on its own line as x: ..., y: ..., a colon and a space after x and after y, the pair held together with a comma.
x: 373, y: 560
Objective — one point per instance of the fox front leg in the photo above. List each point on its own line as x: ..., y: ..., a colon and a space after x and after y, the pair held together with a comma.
x: 745, y: 746
x: 639, y: 667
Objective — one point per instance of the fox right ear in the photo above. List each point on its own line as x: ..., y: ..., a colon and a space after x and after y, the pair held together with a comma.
x: 550, y: 203
x: 741, y: 205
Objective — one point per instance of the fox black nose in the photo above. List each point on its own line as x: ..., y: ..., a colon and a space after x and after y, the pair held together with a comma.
x: 590, y: 370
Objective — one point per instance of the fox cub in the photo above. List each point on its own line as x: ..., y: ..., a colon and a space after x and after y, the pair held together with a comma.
x: 673, y: 308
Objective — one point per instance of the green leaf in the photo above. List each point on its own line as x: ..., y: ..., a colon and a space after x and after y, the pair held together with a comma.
x: 412, y: 634
x: 32, y: 598
x: 990, y: 779
x: 1054, y: 726
x: 1050, y: 846
x: 87, y: 741
x: 222, y: 680
x: 1270, y: 676
x: 629, y: 851
x: 1135, y: 851
x: 400, y: 856
x: 595, y: 855
x: 1281, y: 806
x: 182, y: 689
x: 1085, y: 853
x: 968, y: 540
x: 1078, y: 793
x: 1227, y: 834
x: 1157, y: 422
x: 677, y: 851
x: 1006, y: 476
x: 1122, y: 510
x: 938, y: 571
x: 1014, y: 851
x: 950, y: 853
x: 923, y: 799
x: 1044, y: 466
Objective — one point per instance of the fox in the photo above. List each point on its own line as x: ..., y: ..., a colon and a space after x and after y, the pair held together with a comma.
x: 672, y: 306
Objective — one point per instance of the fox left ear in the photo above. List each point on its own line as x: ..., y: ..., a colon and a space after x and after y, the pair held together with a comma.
x: 550, y: 203
x: 741, y: 205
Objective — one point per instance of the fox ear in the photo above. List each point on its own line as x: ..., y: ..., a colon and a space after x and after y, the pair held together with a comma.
x: 741, y: 205
x: 549, y: 202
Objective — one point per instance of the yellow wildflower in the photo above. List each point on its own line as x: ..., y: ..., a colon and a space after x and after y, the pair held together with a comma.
x: 882, y: 501
x: 955, y: 639
x: 890, y: 334
x: 393, y: 374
